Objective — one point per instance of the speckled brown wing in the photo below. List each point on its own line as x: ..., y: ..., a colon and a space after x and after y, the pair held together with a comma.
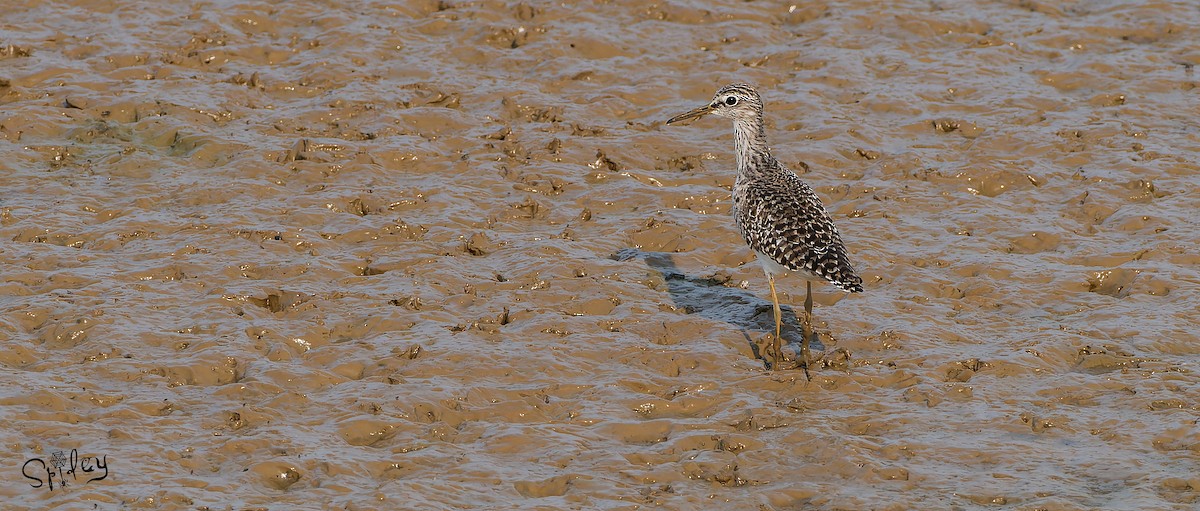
x: 782, y: 218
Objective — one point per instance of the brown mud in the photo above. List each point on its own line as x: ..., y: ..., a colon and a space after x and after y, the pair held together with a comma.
x: 445, y: 255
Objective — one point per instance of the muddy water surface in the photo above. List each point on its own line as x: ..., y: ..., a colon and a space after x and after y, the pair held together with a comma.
x: 445, y: 255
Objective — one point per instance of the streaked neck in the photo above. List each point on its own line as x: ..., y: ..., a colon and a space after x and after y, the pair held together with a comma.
x: 750, y: 141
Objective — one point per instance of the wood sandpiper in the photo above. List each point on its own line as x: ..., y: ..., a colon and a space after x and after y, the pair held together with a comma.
x: 779, y: 215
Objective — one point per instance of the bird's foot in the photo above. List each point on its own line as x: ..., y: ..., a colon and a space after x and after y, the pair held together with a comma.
x: 778, y: 359
x: 805, y: 360
x: 803, y: 365
x: 770, y: 349
x: 792, y: 365
x: 837, y: 358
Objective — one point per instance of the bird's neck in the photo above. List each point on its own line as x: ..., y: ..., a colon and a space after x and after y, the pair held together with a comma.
x: 750, y: 143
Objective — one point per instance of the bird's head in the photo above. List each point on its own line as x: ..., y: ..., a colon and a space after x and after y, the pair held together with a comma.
x: 736, y: 101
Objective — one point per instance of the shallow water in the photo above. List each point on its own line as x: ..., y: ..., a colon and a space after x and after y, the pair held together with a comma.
x: 445, y: 255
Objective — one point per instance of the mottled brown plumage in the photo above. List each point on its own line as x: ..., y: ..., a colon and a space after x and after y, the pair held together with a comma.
x: 784, y: 221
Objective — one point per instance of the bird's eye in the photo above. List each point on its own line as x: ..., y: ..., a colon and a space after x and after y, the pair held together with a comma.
x: 730, y: 101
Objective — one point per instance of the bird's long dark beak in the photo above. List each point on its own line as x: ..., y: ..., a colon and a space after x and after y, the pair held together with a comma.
x: 691, y: 114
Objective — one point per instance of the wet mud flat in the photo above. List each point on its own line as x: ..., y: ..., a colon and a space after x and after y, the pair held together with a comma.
x: 445, y: 255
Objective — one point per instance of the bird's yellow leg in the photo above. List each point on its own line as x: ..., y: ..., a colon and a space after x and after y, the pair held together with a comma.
x: 808, y: 300
x: 807, y: 330
x: 776, y: 343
